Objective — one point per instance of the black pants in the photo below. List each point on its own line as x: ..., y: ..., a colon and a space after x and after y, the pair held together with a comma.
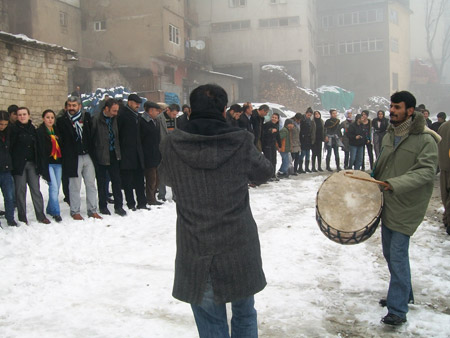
x: 370, y: 152
x: 296, y: 159
x: 134, y: 180
x: 271, y: 154
x: 336, y: 154
x: 102, y: 180
x: 317, y: 153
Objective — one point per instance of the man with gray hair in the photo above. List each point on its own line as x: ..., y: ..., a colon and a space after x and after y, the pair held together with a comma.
x: 77, y: 148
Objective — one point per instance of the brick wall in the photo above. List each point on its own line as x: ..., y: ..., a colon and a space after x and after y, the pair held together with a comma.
x: 33, y: 75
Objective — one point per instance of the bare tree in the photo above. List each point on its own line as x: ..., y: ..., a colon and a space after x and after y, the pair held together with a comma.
x: 435, y: 11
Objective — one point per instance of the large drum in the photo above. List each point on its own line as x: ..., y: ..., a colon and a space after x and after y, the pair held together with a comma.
x: 348, y: 210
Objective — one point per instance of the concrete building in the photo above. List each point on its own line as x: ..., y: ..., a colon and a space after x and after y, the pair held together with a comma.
x: 243, y: 35
x: 364, y: 46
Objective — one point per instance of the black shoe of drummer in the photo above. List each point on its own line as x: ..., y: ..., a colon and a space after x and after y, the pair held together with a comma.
x: 383, y: 302
x: 391, y: 319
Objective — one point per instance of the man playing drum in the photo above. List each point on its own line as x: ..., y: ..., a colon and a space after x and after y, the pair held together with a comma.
x: 407, y: 162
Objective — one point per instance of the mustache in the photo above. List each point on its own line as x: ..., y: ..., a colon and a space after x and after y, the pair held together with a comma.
x: 392, y: 115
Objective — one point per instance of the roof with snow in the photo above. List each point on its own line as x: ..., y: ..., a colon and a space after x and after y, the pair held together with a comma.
x: 25, y: 40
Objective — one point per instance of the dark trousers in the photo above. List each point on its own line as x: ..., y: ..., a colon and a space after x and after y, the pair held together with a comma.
x: 317, y: 154
x: 271, y: 154
x: 7, y: 186
x: 370, y: 153
x: 113, y: 171
x: 65, y: 187
x: 151, y: 183
x: 133, y: 180
x: 29, y: 177
x: 336, y: 155
x: 296, y: 159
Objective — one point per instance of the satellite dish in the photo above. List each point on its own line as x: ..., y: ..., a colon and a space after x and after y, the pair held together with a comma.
x: 200, y: 45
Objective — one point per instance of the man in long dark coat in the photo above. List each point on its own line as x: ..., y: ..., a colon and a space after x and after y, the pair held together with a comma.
x: 218, y: 252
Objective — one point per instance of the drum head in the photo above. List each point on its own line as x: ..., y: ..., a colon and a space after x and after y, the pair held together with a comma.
x: 347, y: 204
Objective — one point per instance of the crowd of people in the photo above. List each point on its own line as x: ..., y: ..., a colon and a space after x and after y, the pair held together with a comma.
x: 118, y: 146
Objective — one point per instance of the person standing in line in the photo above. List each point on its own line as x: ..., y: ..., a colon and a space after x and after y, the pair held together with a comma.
x: 105, y: 135
x: 218, y: 258
x: 344, y: 126
x: 333, y: 139
x: 183, y: 119
x: 380, y: 125
x: 356, y: 143
x: 257, y: 121
x: 444, y: 165
x: 426, y: 114
x: 6, y: 179
x: 233, y: 115
x: 167, y: 122
x: 407, y: 163
x: 307, y: 135
x: 132, y: 156
x: 51, y: 161
x: 246, y: 116
x: 271, y: 141
x: 285, y: 149
x: 295, y: 146
x: 25, y: 156
x: 441, y: 119
x: 318, y: 140
x: 366, y: 124
x: 12, y: 110
x: 150, y: 138
x: 76, y: 142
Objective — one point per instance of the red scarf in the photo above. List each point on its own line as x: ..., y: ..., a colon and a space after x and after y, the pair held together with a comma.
x: 56, y: 150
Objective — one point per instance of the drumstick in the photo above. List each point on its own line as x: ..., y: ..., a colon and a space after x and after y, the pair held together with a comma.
x: 350, y: 174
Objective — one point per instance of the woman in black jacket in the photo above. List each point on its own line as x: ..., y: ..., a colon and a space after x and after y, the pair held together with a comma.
x: 318, y: 140
x: 379, y: 125
x: 50, y: 160
x: 357, y: 142
x: 25, y: 156
x: 270, y: 140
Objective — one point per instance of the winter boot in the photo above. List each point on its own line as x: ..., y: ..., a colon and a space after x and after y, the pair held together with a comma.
x: 313, y: 169
x: 307, y: 166
x: 300, y: 167
x: 338, y: 167
x: 328, y: 165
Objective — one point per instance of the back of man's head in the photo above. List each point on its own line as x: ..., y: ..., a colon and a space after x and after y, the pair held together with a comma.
x: 264, y: 107
x: 208, y: 101
x: 404, y: 96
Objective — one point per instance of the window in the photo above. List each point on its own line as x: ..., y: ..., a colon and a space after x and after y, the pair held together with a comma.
x: 170, y: 73
x: 360, y: 46
x: 280, y: 22
x: 394, y: 45
x: 327, y: 21
x: 174, y: 34
x: 63, y: 19
x: 325, y: 49
x: 238, y: 3
x: 100, y: 26
x: 230, y: 26
x: 360, y: 17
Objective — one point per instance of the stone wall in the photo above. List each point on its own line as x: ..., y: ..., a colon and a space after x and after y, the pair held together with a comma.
x: 32, y: 74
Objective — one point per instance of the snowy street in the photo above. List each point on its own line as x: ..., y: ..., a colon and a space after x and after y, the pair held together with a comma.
x: 113, y: 277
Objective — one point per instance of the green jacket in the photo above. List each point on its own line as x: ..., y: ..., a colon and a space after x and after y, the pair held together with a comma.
x: 285, y: 136
x: 410, y: 169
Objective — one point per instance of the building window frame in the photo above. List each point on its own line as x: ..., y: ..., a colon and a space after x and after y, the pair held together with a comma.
x: 63, y: 19
x: 100, y: 26
x: 237, y: 3
x: 230, y: 26
x: 174, y: 34
x: 289, y: 21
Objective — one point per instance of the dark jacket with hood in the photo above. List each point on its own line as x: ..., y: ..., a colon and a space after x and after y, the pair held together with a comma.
x: 269, y: 139
x: 354, y: 130
x: 208, y: 168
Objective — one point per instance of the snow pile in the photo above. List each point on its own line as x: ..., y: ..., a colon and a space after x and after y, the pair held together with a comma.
x: 25, y: 38
x: 376, y: 103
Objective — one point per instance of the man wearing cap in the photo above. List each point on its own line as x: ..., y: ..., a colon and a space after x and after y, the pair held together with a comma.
x: 233, y: 115
x: 150, y: 137
x: 441, y: 119
x: 218, y: 251
x: 167, y: 123
x: 132, y: 163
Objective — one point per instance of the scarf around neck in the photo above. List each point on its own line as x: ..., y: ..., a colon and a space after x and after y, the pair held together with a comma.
x: 77, y: 124
x: 403, y: 128
x: 56, y: 150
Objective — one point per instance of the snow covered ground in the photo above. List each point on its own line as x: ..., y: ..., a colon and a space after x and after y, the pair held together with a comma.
x: 113, y: 277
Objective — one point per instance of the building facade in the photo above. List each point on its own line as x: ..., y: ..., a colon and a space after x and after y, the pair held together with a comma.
x: 363, y: 46
x: 244, y: 35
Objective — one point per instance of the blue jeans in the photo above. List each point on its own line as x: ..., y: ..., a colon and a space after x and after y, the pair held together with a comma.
x: 7, y: 186
x: 356, y: 156
x: 303, y: 154
x: 211, y: 318
x: 284, y: 162
x: 395, y: 251
x: 55, y: 171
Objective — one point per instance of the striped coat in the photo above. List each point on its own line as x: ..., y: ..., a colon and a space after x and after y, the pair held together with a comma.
x: 217, y: 236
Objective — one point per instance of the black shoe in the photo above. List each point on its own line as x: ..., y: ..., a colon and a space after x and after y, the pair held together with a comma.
x: 57, y: 218
x: 391, y: 319
x: 120, y: 212
x: 110, y: 200
x: 307, y: 170
x: 2, y: 213
x: 314, y: 170
x: 383, y: 302
x: 12, y: 223
x: 67, y: 200
x: 156, y: 203
x: 338, y: 169
x: 295, y: 174
x: 143, y: 207
x: 329, y: 169
x: 162, y: 199
x: 24, y: 220
x: 320, y: 169
x: 105, y: 211
x: 301, y: 171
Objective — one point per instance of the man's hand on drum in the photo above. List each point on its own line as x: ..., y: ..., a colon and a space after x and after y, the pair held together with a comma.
x: 388, y: 187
